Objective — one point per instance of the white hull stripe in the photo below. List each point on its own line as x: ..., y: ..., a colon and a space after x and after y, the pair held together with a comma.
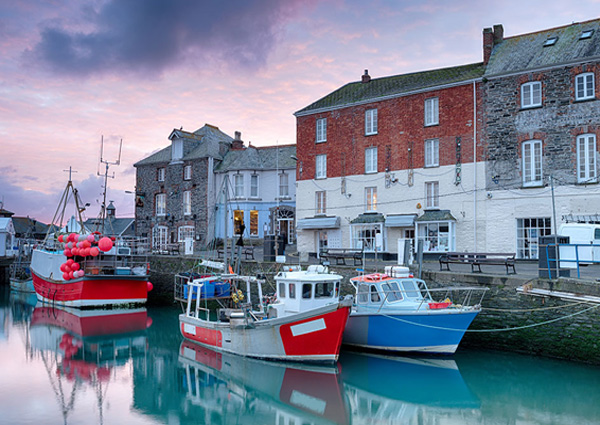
x: 308, y: 327
x: 190, y: 329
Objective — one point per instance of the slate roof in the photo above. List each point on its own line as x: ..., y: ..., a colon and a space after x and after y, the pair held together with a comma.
x: 527, y: 52
x: 379, y: 88
x: 202, y: 143
x: 259, y: 158
x: 113, y: 226
x: 25, y: 226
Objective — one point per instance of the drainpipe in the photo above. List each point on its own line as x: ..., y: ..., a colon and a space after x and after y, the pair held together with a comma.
x: 475, y: 164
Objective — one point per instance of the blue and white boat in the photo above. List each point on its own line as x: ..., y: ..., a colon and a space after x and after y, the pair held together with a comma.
x: 394, y: 311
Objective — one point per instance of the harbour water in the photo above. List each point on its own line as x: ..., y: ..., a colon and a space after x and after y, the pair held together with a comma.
x: 132, y: 367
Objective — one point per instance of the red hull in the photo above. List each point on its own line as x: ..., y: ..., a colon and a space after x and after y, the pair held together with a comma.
x: 92, y: 291
x: 89, y: 326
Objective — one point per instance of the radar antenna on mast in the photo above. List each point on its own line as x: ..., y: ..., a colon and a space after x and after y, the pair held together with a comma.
x: 106, y: 176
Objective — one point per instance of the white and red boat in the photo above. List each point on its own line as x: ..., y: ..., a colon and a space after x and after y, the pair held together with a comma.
x: 304, y: 321
x: 75, y: 267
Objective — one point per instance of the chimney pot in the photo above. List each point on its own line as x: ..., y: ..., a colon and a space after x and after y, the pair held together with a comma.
x: 366, y: 77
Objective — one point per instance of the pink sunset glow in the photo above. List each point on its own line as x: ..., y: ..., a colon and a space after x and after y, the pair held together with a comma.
x: 74, y: 71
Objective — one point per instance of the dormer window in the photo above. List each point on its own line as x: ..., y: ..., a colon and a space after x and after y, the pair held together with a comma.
x: 176, y: 150
x: 551, y: 41
x: 586, y: 34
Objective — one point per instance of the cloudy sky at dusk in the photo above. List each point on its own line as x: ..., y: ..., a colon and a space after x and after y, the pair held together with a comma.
x: 72, y: 71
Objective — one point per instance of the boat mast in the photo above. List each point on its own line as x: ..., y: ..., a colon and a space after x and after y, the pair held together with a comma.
x: 106, y: 176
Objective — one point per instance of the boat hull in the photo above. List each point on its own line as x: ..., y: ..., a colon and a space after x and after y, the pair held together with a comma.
x: 92, y: 291
x: 437, y: 331
x: 312, y: 336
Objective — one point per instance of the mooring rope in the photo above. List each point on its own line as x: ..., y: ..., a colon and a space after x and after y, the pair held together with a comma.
x: 525, y: 310
x: 546, y: 322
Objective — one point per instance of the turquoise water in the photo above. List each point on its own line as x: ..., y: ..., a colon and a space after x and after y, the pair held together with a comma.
x: 134, y: 368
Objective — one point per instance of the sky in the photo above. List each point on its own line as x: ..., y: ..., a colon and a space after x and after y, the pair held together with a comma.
x: 76, y: 72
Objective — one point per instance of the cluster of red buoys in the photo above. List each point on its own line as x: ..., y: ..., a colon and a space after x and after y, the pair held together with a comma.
x: 77, y: 245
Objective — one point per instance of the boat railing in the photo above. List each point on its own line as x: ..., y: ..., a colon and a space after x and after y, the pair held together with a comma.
x: 456, y: 297
x: 194, y: 293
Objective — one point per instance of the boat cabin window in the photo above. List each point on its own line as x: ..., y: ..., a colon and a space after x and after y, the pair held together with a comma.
x: 392, y: 291
x: 307, y: 290
x: 326, y: 289
x: 411, y: 289
x: 374, y: 294
x: 363, y: 293
x: 281, y: 290
x: 292, y: 290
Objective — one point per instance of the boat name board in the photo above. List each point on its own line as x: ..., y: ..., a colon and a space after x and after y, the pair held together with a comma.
x: 190, y: 329
x: 308, y: 327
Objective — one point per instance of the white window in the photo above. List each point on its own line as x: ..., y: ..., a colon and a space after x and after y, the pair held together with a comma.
x: 586, y: 158
x: 371, y: 198
x: 320, y: 202
x: 432, y: 194
x: 254, y: 186
x: 187, y: 172
x: 531, y: 94
x: 532, y: 163
x: 238, y: 185
x: 371, y: 160
x: 432, y: 111
x: 437, y: 236
x: 321, y: 166
x: 321, y: 130
x: 364, y: 236
x: 370, y: 121
x: 528, y: 232
x: 177, y: 150
x: 284, y: 190
x: 185, y: 232
x: 160, y: 175
x: 584, y: 86
x: 187, y: 202
x: 160, y: 238
x: 432, y: 153
x: 161, y: 204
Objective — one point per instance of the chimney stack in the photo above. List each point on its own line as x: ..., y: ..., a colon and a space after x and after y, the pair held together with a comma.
x: 491, y: 38
x: 237, y: 142
x: 366, y: 77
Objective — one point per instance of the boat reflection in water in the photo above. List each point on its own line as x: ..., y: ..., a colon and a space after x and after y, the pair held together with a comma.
x: 390, y: 390
x: 232, y: 389
x: 84, y: 348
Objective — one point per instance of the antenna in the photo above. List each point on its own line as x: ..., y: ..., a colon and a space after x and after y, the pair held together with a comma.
x: 106, y: 176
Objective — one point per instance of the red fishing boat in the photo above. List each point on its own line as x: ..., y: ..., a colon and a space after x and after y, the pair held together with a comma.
x: 84, y: 268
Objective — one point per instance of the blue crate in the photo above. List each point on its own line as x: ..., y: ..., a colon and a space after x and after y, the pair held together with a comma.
x: 207, y: 291
x: 222, y: 289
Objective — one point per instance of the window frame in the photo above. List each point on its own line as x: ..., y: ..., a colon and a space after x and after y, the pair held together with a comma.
x: 160, y: 205
x: 585, y: 96
x: 161, y: 174
x: 432, y: 194
x: 528, y: 100
x: 432, y: 153
x: 182, y: 231
x: 284, y: 183
x: 187, y: 202
x: 432, y: 111
x: 321, y: 166
x: 254, y: 186
x: 532, y: 167
x: 587, y: 158
x: 187, y: 172
x: 320, y: 202
x: 254, y: 222
x: 371, y: 160
x: 371, y: 198
x: 321, y: 130
x: 238, y: 185
x: 371, y: 124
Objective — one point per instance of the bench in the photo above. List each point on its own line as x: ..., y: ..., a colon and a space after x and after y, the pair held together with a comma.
x: 247, y: 251
x: 340, y: 256
x: 477, y: 259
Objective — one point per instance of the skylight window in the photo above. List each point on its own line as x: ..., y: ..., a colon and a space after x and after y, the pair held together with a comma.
x: 586, y: 34
x: 551, y: 41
